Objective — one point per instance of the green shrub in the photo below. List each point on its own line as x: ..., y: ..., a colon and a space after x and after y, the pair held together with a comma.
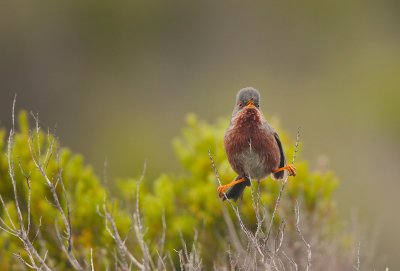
x: 188, y: 200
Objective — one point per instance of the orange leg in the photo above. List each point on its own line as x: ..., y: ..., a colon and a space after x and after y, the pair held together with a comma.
x: 290, y: 168
x: 221, y: 189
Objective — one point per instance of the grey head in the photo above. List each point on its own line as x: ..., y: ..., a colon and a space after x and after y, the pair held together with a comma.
x: 245, y: 97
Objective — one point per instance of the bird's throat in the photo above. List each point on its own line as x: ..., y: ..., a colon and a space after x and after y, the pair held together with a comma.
x: 248, y: 118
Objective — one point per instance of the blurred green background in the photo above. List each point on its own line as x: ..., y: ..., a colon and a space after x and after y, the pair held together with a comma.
x: 115, y: 79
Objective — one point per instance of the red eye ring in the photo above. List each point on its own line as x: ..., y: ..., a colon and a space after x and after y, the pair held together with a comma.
x: 240, y: 105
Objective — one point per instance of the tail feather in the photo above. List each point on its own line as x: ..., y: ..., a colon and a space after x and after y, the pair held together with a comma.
x: 278, y: 175
x: 236, y: 190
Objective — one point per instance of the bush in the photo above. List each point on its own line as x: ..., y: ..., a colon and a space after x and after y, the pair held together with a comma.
x: 171, y: 210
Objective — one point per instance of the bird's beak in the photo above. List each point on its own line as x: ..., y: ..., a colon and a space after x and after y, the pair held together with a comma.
x: 250, y: 103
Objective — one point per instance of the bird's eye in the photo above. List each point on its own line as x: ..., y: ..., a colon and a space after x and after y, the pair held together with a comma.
x: 257, y: 105
x: 240, y: 105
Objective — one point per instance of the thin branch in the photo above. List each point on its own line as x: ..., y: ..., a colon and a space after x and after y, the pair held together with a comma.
x: 22, y: 233
x: 357, y: 266
x: 28, y: 183
x: 122, y: 249
x: 12, y: 227
x: 290, y: 260
x: 297, y: 213
x: 91, y: 260
x: 137, y: 224
x: 65, y: 215
x: 36, y: 118
x: 115, y: 234
x: 161, y: 245
x: 278, y: 200
x: 280, y: 234
x: 11, y: 168
x: 214, y: 167
x: 231, y: 230
x: 19, y: 257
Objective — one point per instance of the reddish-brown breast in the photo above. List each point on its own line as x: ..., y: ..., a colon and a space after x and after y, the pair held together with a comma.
x: 250, y: 145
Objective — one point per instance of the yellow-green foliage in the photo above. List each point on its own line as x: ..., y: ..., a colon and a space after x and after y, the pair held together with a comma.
x: 188, y: 200
x: 85, y: 193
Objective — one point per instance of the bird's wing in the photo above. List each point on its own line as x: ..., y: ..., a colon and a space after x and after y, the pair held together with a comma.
x: 280, y: 174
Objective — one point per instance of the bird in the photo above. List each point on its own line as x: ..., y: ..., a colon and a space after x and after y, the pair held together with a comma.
x: 252, y: 146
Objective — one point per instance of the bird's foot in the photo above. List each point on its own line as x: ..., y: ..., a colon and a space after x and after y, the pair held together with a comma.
x: 290, y: 169
x: 223, y: 188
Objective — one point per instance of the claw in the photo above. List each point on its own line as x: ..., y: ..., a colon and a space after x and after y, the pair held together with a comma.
x: 222, y: 188
x: 290, y: 168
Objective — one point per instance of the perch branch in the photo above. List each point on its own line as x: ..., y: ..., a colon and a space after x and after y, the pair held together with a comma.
x: 278, y: 200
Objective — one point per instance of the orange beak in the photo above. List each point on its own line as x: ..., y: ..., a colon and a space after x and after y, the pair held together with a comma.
x: 250, y: 103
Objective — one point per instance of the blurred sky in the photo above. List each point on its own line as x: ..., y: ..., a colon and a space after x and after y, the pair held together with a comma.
x: 116, y: 79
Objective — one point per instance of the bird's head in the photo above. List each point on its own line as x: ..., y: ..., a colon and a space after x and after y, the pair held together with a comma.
x: 247, y: 98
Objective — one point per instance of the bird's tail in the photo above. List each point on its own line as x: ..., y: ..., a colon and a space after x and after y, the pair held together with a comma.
x: 278, y: 175
x: 235, y: 191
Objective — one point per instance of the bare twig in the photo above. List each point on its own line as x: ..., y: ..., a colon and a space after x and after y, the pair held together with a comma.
x: 35, y: 260
x: 65, y: 214
x: 115, y: 235
x: 214, y: 167
x: 357, y: 266
x: 189, y: 260
x: 138, y: 227
x: 260, y: 216
x: 280, y: 235
x: 147, y: 262
x: 91, y: 260
x: 297, y: 213
x: 19, y: 257
x: 278, y: 200
x: 11, y: 168
x: 290, y: 260
x: 232, y: 231
x: 160, y: 254
x: 28, y: 183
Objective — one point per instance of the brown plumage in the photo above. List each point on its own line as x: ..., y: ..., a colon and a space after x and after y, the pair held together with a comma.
x: 252, y: 146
